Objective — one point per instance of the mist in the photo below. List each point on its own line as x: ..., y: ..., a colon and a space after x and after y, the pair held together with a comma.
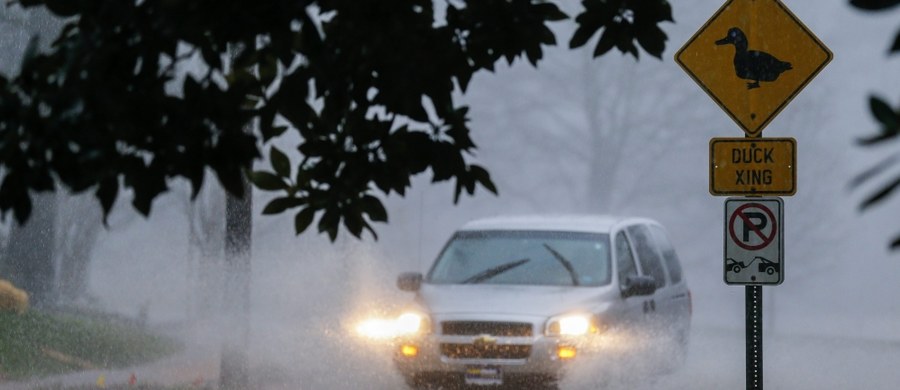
x: 833, y: 324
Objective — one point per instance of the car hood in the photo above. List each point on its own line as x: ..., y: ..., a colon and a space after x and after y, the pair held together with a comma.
x: 512, y: 299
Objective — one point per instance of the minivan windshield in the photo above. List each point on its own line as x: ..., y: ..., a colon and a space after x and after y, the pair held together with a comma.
x: 547, y: 258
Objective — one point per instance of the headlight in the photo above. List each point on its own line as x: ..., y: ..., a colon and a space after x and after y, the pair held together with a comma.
x: 572, y: 325
x: 376, y: 328
x: 404, y: 325
x: 410, y: 323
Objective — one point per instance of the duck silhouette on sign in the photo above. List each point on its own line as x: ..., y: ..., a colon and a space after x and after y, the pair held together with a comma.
x: 751, y: 64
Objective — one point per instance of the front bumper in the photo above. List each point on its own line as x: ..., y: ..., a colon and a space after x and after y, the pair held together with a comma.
x: 515, y: 356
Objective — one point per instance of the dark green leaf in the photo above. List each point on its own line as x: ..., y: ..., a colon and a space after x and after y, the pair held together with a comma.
x: 31, y: 51
x: 534, y: 54
x: 374, y: 209
x: 63, y: 8
x: 606, y: 43
x: 268, y: 181
x: 303, y: 219
x: 268, y: 70
x: 482, y: 176
x: 212, y: 58
x: 895, y: 244
x: 142, y: 202
x: 372, y: 231
x: 354, y: 224
x: 329, y: 223
x: 875, y: 170
x: 874, y: 5
x: 896, y: 46
x: 547, y: 37
x: 878, y: 138
x: 278, y: 131
x: 884, y: 114
x: 890, y: 123
x: 582, y: 35
x: 279, y: 205
x: 551, y: 11
x: 22, y: 207
x: 881, y: 194
x: 106, y: 193
x: 280, y: 162
x: 457, y: 191
x: 463, y: 79
x: 653, y: 40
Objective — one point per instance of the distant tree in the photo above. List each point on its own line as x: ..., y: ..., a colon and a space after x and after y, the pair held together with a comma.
x: 79, y: 223
x: 587, y: 127
x: 889, y: 119
x: 206, y: 240
x: 29, y: 257
x: 367, y: 85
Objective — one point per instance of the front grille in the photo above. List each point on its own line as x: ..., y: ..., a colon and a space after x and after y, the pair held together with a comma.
x: 475, y: 328
x: 485, y: 351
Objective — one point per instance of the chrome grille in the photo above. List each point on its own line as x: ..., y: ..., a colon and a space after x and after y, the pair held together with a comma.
x: 485, y: 351
x: 475, y: 328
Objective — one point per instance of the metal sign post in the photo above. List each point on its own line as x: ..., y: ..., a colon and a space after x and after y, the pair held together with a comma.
x: 753, y: 295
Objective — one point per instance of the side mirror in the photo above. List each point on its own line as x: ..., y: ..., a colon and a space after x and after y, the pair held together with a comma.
x: 638, y: 286
x: 409, y: 281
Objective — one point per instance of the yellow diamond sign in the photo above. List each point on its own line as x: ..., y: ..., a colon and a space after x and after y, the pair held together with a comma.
x: 752, y: 57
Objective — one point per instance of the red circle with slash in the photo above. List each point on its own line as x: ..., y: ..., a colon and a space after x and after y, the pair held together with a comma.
x: 766, y: 239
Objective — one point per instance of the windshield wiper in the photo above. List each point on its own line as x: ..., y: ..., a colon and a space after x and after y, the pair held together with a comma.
x: 494, y: 271
x: 565, y: 263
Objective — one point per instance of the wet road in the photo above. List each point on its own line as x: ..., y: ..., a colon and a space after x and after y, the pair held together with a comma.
x: 304, y: 357
x: 715, y: 361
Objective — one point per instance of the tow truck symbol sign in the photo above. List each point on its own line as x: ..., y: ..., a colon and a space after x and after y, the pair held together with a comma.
x: 765, y: 265
x: 753, y: 241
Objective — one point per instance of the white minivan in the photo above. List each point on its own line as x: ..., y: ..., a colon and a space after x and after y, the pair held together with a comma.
x: 515, y: 300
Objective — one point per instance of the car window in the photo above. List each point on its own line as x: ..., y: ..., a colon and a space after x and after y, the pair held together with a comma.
x: 670, y: 258
x: 647, y: 255
x: 624, y: 258
x: 525, y: 258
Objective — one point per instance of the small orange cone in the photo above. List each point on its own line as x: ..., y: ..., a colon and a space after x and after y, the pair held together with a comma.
x: 132, y: 380
x: 101, y: 382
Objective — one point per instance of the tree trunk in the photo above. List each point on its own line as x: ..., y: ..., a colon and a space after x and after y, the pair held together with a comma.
x: 206, y: 243
x: 234, y: 373
x: 79, y: 226
x: 29, y: 258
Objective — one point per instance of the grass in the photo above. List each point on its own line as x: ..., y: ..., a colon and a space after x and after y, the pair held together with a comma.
x: 37, y: 344
x: 126, y: 387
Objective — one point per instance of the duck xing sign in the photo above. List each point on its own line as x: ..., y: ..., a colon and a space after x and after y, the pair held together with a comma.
x: 752, y: 166
x: 752, y: 57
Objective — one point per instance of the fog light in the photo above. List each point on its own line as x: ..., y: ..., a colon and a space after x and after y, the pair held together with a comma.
x: 565, y: 352
x: 409, y: 350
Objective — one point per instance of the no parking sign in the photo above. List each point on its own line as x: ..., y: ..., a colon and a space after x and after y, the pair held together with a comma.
x: 753, y: 241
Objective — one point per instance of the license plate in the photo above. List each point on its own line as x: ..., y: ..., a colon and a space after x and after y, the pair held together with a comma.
x: 484, y: 375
